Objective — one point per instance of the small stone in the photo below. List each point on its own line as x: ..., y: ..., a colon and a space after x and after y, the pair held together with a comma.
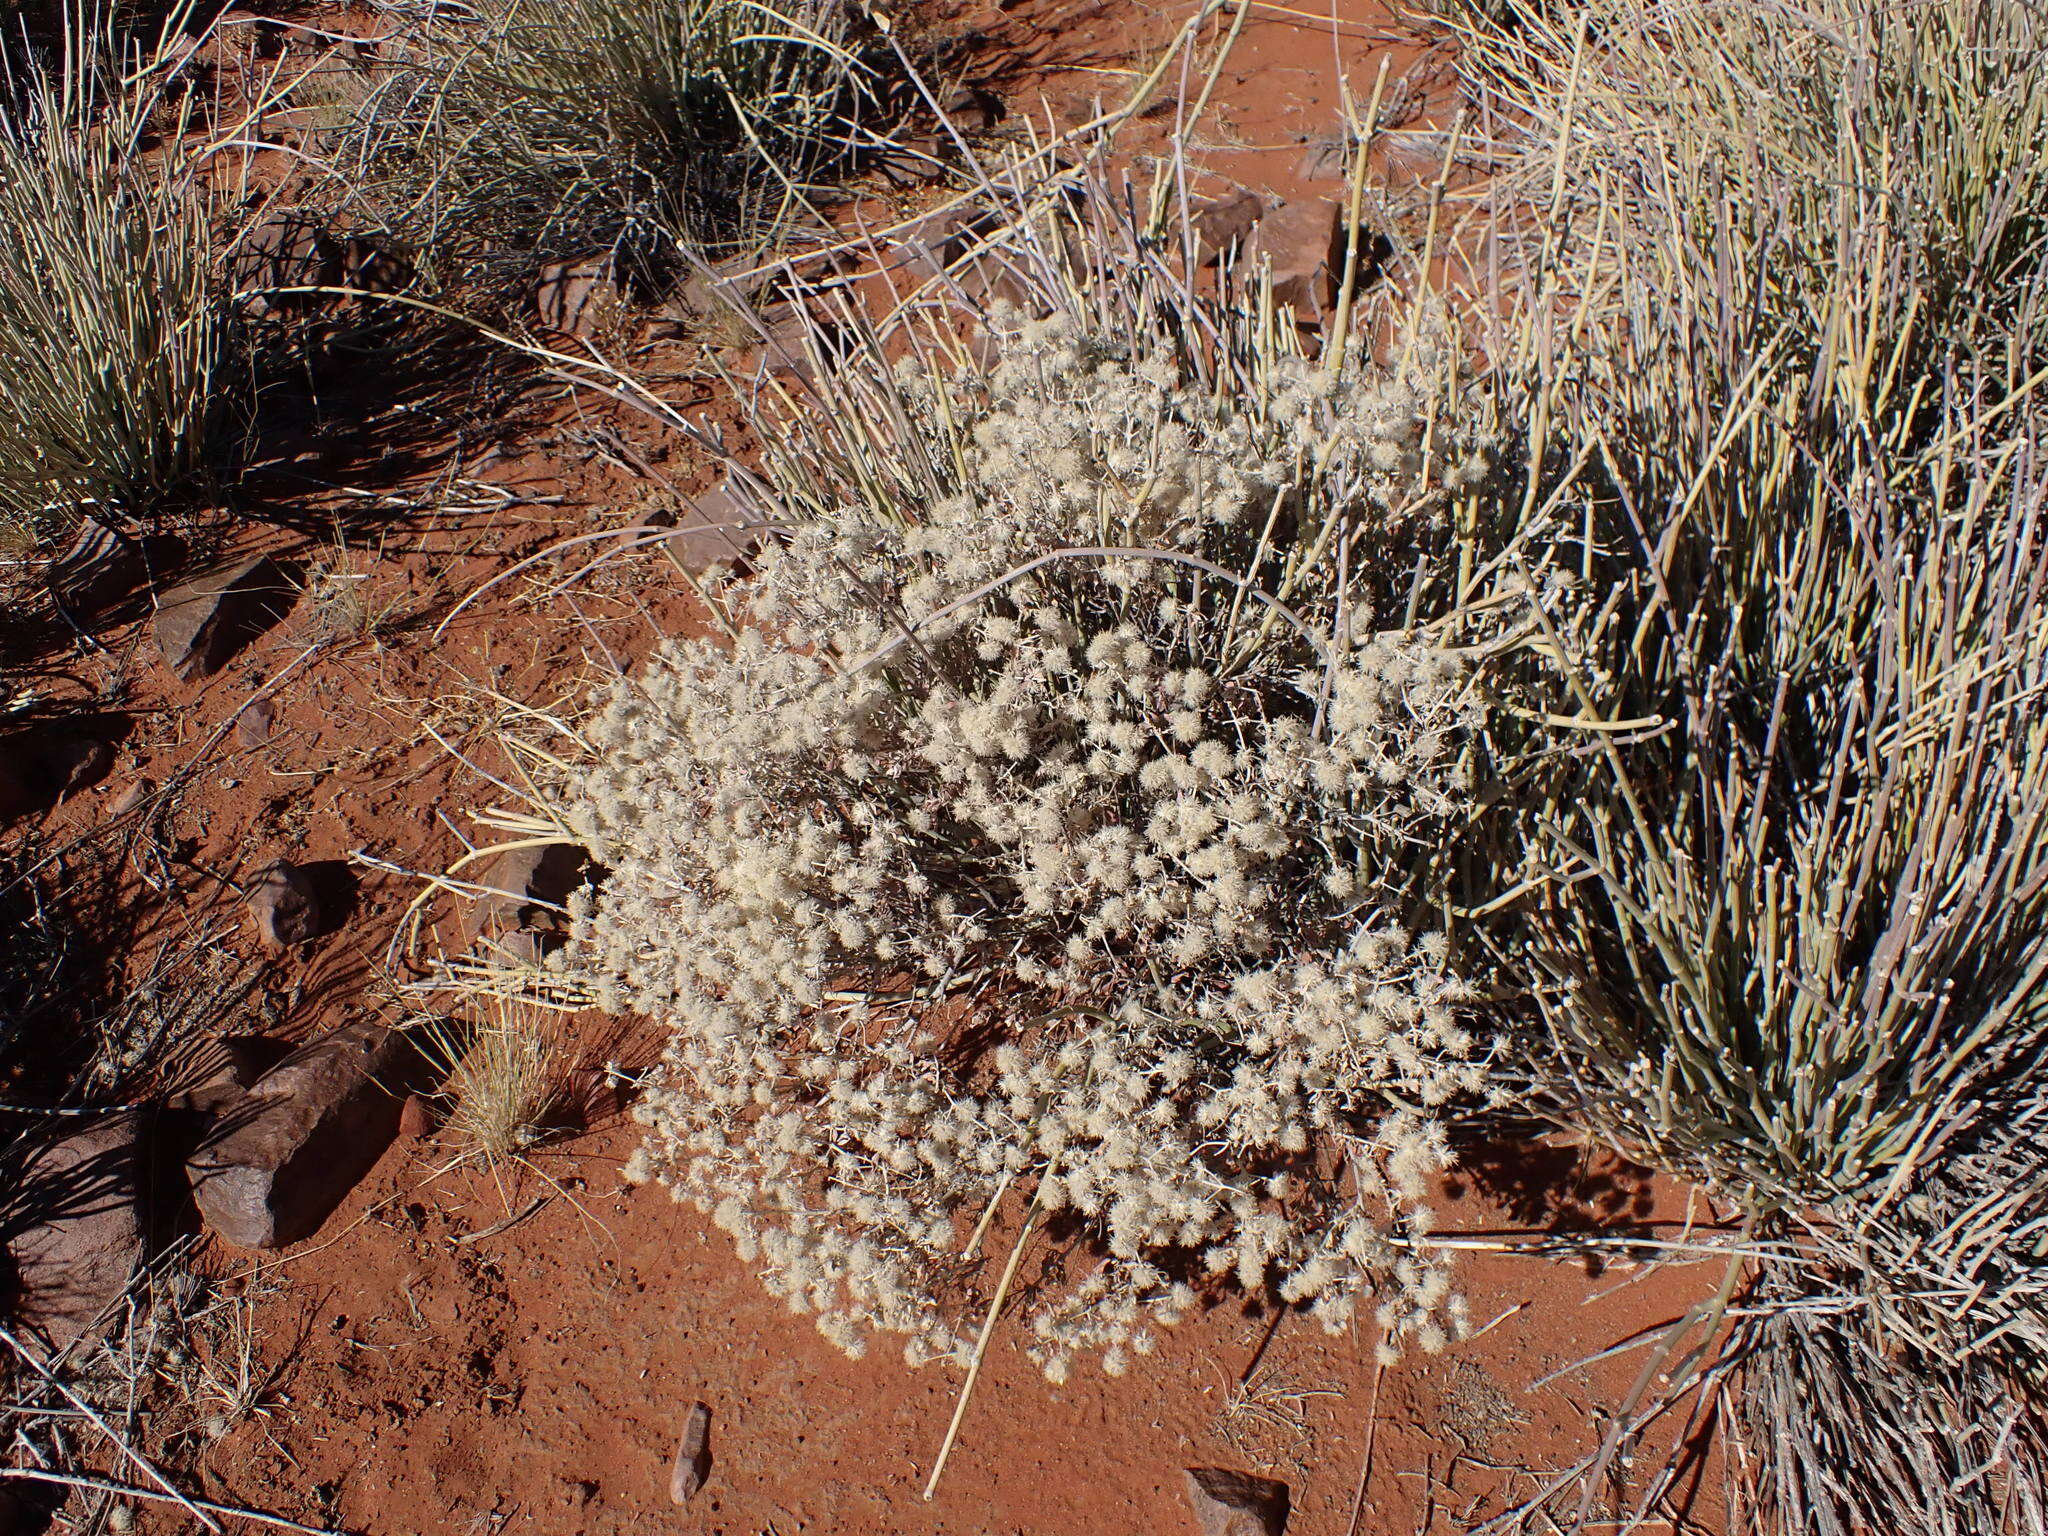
x: 284, y: 906
x: 1301, y: 240
x: 973, y: 109
x: 415, y: 1118
x: 941, y: 240
x: 717, y: 289
x: 1224, y: 224
x: 524, y: 887
x: 709, y: 532
x: 1230, y: 1503
x: 252, y: 725
x: 309, y: 1128
x: 913, y: 161
x: 202, y: 622
x: 81, y: 1198
x: 693, y: 1456
x: 285, y: 250
x: 573, y: 297
x: 137, y: 791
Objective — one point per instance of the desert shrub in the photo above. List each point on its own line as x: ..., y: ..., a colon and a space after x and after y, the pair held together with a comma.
x: 1060, y: 836
x: 112, y: 327
x: 1784, y: 275
x: 604, y: 126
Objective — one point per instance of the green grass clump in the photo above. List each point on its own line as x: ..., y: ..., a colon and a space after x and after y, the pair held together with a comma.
x: 112, y: 326
x: 606, y: 126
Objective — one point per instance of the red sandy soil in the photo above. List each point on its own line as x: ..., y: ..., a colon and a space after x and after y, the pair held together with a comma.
x: 427, y: 1378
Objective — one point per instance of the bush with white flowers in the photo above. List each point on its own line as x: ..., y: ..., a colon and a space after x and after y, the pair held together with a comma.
x: 1058, y: 854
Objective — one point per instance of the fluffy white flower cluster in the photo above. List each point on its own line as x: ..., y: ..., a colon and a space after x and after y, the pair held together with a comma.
x: 1040, y: 856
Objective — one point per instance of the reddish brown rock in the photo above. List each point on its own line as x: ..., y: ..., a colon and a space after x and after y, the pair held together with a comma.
x: 1230, y: 1503
x: 284, y: 906
x: 202, y: 622
x: 82, y: 1200
x: 129, y: 798
x: 308, y: 1129
x: 415, y: 1118
x: 693, y: 1456
x: 285, y: 251
x: 1224, y: 224
x: 1304, y: 243
x: 974, y: 109
x: 711, y: 530
x: 523, y: 888
x: 252, y: 725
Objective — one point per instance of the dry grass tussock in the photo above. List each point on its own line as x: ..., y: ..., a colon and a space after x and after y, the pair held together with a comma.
x: 1777, y: 353
x: 636, y: 128
x: 505, y: 1075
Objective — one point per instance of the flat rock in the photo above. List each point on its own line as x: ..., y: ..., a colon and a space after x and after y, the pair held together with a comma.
x: 134, y: 794
x: 81, y: 1200
x: 573, y: 297
x: 1223, y: 224
x: 710, y: 290
x: 1230, y: 1503
x: 524, y: 886
x: 202, y: 622
x: 252, y: 725
x: 1306, y: 242
x: 306, y: 1132
x: 284, y: 905
x: 974, y: 109
x: 693, y: 1456
x: 706, y: 532
x: 1303, y: 241
x: 284, y: 251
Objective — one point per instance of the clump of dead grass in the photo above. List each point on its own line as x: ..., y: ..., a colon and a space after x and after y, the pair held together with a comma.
x: 507, y: 1075
x: 512, y: 131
